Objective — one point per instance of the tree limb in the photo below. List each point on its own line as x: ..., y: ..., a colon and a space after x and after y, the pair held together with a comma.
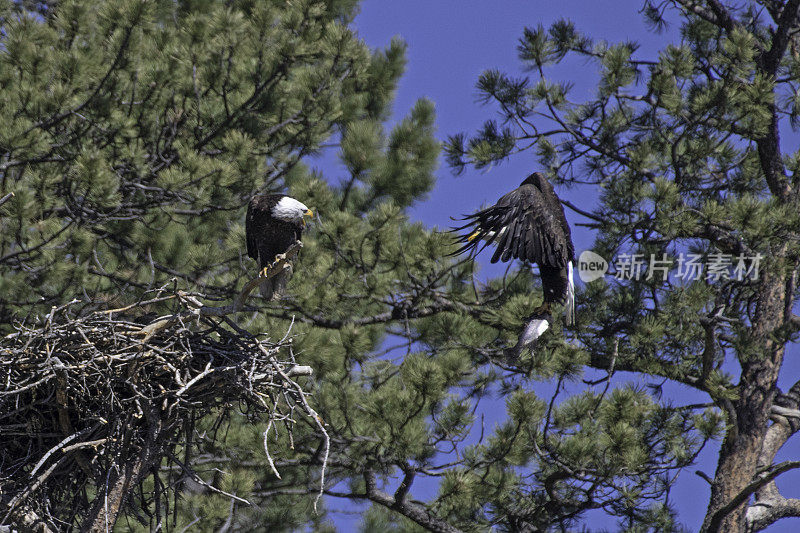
x: 716, y: 519
x: 277, y: 266
x: 410, y: 510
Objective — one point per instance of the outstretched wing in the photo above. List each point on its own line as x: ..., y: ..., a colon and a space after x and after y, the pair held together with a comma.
x: 522, y: 225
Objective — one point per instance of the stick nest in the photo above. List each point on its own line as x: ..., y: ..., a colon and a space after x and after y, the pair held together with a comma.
x: 90, y: 406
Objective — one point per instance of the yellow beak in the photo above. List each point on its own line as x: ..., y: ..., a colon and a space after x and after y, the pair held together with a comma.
x: 308, y: 213
x: 473, y: 236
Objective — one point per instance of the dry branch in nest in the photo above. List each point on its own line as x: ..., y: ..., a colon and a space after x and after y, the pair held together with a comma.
x: 90, y: 406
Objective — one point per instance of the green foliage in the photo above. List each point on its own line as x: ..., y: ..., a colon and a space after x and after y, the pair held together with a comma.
x: 683, y: 155
x: 131, y: 121
x: 136, y: 132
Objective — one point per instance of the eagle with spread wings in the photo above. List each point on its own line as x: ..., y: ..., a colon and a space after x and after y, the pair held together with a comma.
x: 528, y: 224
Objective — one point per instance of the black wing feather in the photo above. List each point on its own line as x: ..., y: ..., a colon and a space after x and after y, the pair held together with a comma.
x: 533, y: 233
x: 520, y: 240
x: 503, y: 243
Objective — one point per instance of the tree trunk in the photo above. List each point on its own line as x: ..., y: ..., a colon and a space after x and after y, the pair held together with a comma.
x: 745, y: 435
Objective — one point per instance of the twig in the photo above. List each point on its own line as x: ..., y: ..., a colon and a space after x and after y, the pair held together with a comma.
x: 6, y: 198
x: 136, y: 396
x: 266, y: 444
x: 276, y: 267
x: 208, y: 370
x: 313, y: 415
x: 52, y: 450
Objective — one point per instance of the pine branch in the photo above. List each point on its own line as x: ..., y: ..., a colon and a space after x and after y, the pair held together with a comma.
x: 769, y: 149
x: 583, y: 212
x: 764, y: 513
x: 52, y: 121
x: 410, y: 510
x: 787, y: 22
x: 716, y: 13
x: 405, y: 484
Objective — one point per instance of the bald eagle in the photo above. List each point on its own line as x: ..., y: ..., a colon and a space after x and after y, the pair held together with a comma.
x: 274, y: 223
x: 529, y: 224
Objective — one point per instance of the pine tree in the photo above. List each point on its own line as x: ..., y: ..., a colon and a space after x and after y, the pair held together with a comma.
x: 135, y: 132
x: 406, y: 348
x: 690, y: 152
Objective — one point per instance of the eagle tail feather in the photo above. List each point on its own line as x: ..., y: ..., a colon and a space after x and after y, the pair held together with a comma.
x: 266, y: 290
x: 281, y: 280
x: 570, y: 307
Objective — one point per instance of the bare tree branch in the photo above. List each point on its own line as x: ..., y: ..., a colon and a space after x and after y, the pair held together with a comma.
x: 90, y: 390
x: 6, y: 198
x: 410, y: 510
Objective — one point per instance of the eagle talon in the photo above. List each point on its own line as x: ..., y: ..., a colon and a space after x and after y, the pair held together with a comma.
x: 274, y: 223
x: 543, y: 309
x: 278, y: 259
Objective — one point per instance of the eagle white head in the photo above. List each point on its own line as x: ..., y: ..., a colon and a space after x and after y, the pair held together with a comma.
x: 291, y: 210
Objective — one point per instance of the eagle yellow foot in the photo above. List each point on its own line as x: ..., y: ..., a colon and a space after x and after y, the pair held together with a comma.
x: 279, y: 257
x: 543, y: 309
x: 265, y: 271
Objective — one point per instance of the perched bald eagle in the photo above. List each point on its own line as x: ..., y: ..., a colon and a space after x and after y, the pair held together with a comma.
x: 529, y: 224
x: 274, y: 223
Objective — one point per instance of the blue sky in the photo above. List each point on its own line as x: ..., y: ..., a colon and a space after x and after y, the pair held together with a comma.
x: 449, y: 44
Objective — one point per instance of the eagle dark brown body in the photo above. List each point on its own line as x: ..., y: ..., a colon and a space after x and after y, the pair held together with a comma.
x: 528, y: 224
x: 274, y: 223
